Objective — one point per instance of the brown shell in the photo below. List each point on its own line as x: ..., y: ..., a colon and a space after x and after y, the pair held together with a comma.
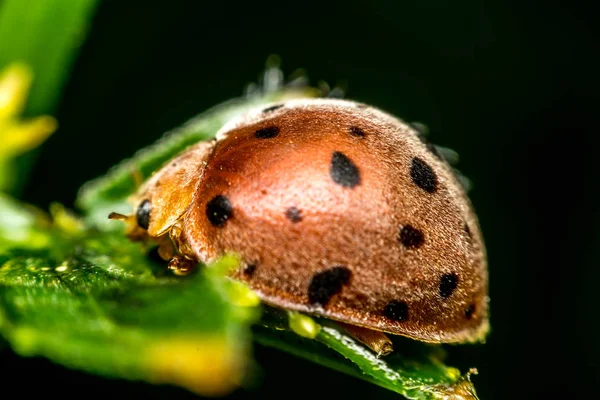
x: 170, y: 189
x: 342, y: 211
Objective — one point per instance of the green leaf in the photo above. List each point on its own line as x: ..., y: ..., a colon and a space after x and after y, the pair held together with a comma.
x: 415, y: 370
x: 21, y: 225
x: 38, y: 41
x: 45, y: 35
x: 97, y: 303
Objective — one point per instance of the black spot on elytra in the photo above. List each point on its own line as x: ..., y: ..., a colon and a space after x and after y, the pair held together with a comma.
x: 267, y: 133
x: 326, y: 284
x: 142, y: 214
x: 343, y: 171
x: 218, y: 210
x: 293, y: 214
x: 470, y: 311
x: 422, y: 175
x: 249, y: 270
x: 356, y: 131
x: 396, y: 310
x: 272, y: 108
x: 411, y: 237
x: 448, y: 283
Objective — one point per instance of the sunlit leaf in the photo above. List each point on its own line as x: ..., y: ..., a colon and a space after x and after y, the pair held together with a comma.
x: 96, y: 302
x: 45, y: 35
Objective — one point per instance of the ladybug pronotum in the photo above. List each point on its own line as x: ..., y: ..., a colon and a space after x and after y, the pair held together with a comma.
x: 337, y: 209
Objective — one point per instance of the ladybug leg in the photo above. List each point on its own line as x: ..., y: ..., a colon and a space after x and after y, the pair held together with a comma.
x: 377, y: 341
x: 133, y: 231
x: 118, y: 216
x: 182, y: 266
x: 166, y: 248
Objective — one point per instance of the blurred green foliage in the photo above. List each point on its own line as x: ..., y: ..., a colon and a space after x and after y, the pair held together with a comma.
x: 97, y: 305
x: 46, y: 36
x: 17, y: 136
x: 38, y: 38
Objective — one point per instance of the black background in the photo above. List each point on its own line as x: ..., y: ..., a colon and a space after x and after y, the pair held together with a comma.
x: 510, y: 85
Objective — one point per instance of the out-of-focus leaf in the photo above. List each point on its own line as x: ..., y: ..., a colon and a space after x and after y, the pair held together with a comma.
x: 17, y: 136
x: 94, y: 301
x: 22, y: 226
x: 45, y: 35
x: 38, y: 39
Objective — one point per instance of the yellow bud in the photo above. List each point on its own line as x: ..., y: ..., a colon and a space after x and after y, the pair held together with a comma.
x: 303, y: 325
x: 15, y: 82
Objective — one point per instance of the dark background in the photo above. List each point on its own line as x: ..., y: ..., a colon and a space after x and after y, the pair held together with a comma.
x: 510, y: 85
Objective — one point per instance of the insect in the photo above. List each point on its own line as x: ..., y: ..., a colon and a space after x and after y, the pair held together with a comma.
x: 337, y: 209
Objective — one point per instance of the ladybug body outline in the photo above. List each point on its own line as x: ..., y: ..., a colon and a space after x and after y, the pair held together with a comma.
x: 337, y: 209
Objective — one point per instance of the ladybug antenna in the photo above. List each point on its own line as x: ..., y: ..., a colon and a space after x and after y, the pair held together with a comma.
x: 116, y: 215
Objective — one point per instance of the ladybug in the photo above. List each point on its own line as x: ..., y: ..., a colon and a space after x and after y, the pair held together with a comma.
x: 338, y: 210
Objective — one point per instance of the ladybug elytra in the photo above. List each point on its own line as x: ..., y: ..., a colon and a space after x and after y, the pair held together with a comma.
x: 337, y: 209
